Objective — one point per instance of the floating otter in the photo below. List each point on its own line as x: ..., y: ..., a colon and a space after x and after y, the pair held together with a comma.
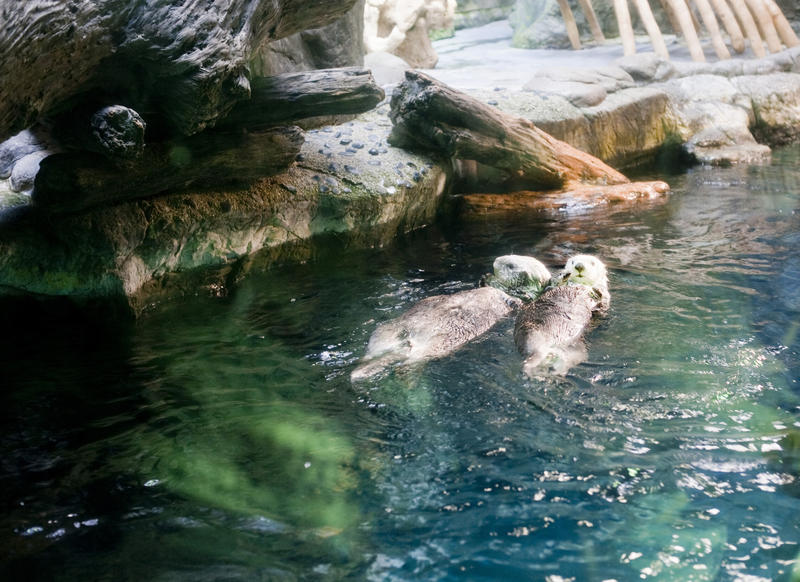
x: 549, y: 330
x: 439, y: 325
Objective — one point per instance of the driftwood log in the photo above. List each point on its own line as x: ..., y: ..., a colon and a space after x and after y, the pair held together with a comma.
x: 258, y: 139
x: 429, y: 115
x: 181, y: 62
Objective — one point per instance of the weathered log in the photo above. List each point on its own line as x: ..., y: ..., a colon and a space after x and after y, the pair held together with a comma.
x: 289, y: 97
x: 431, y: 116
x: 185, y: 60
x: 253, y: 142
x: 74, y: 181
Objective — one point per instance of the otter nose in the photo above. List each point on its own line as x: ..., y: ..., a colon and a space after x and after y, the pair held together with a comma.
x: 579, y: 267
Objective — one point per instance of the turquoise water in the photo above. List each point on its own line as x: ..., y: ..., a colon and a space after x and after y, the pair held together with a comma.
x: 219, y: 438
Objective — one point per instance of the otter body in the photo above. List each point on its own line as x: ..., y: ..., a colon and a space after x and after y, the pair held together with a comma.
x: 549, y: 331
x: 433, y: 328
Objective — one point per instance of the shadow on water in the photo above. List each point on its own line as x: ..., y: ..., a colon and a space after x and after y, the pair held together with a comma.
x: 219, y: 438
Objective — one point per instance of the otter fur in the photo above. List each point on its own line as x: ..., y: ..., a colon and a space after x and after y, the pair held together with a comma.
x: 439, y: 325
x: 549, y: 331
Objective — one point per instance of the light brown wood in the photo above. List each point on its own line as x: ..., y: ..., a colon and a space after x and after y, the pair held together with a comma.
x: 572, y: 27
x: 747, y: 23
x: 684, y: 16
x: 591, y: 18
x: 673, y: 20
x: 625, y: 27
x: 710, y: 22
x: 785, y: 31
x: 765, y: 25
x: 730, y: 24
x: 650, y: 24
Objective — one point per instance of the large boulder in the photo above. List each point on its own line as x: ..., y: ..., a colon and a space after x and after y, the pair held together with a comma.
x: 180, y: 62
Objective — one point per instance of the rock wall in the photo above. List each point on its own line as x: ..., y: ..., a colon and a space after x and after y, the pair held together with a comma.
x: 470, y: 13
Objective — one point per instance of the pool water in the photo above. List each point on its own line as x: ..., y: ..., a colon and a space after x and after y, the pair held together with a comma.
x: 220, y: 438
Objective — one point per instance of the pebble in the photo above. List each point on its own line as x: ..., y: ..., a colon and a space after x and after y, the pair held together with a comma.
x: 374, y: 151
x: 345, y: 141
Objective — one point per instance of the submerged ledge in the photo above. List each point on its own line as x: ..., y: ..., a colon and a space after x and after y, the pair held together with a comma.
x: 349, y: 182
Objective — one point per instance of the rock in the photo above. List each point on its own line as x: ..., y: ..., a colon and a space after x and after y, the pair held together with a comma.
x: 183, y: 64
x: 775, y: 101
x: 17, y: 147
x: 25, y: 170
x: 339, y: 44
x: 142, y: 249
x: 388, y: 69
x: 403, y: 28
x: 630, y: 126
x: 471, y: 13
x: 647, y: 67
x: 609, y: 78
x: 579, y: 94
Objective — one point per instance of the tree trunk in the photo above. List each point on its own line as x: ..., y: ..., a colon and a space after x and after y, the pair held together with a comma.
x: 431, y: 116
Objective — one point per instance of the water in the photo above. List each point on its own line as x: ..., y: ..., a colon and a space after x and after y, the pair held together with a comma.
x: 219, y: 438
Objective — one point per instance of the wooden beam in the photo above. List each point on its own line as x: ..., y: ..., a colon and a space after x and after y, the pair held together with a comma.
x: 749, y: 26
x: 688, y: 30
x: 730, y: 24
x: 625, y: 27
x: 650, y: 24
x: 710, y: 22
x: 572, y: 27
x: 591, y: 18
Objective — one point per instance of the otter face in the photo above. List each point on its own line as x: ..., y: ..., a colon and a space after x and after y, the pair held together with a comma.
x: 518, y: 275
x: 584, y: 270
x: 589, y: 271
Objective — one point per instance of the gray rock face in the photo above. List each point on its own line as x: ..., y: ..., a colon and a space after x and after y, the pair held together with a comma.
x: 339, y: 44
x: 470, y: 13
x: 182, y: 61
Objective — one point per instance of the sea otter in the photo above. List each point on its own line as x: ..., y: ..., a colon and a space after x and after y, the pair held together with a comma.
x: 439, y: 325
x: 549, y: 331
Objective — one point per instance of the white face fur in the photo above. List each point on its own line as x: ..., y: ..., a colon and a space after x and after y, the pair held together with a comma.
x: 584, y: 270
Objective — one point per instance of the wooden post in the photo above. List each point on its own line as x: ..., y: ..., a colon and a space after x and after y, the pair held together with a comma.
x: 625, y: 27
x: 673, y: 20
x: 650, y: 24
x: 688, y: 30
x: 591, y: 17
x: 749, y: 26
x: 710, y: 22
x: 764, y: 21
x: 782, y: 25
x: 569, y: 21
x: 729, y: 22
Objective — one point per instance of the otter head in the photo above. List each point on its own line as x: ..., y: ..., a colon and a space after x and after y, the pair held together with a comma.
x: 589, y: 271
x: 518, y: 275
